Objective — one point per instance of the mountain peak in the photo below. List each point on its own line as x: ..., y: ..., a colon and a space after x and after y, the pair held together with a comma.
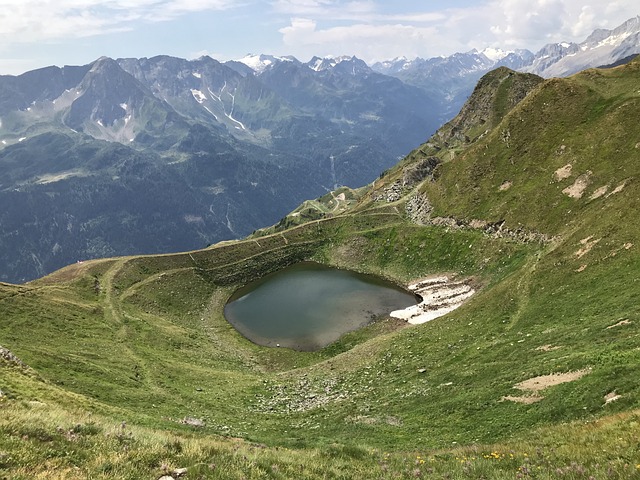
x: 352, y: 63
x: 259, y: 63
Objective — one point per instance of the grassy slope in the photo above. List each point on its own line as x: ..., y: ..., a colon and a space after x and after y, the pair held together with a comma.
x: 144, y: 340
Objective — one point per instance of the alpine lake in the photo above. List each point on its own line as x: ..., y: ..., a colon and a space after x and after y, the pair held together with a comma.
x: 308, y: 306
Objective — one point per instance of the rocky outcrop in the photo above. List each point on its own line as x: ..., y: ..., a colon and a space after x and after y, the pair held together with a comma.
x: 419, y: 209
x: 416, y: 173
x: 495, y: 95
x: 9, y: 357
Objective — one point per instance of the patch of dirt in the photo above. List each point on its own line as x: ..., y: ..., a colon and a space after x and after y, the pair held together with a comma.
x: 618, y: 189
x: 537, y: 384
x: 525, y: 400
x: 599, y: 192
x: 579, y: 186
x: 369, y: 420
x: 611, y: 397
x: 626, y: 246
x: 587, y: 245
x: 621, y: 323
x: 563, y: 172
x: 548, y: 348
x: 582, y: 268
x: 505, y: 186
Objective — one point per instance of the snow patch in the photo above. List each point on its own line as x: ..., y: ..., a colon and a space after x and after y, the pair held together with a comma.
x: 439, y: 297
x: 259, y: 63
x: 124, y: 106
x: 197, y: 75
x: 208, y: 110
x: 22, y: 139
x: 198, y: 95
x: 495, y: 54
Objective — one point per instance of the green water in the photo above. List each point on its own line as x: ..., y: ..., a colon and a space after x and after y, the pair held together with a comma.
x: 308, y: 306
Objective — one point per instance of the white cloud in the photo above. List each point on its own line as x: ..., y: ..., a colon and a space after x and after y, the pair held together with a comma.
x: 26, y: 21
x: 328, y: 9
x: 533, y: 23
x: 370, y: 42
x: 325, y: 27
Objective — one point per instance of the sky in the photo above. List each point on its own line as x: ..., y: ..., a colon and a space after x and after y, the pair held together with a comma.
x: 38, y: 33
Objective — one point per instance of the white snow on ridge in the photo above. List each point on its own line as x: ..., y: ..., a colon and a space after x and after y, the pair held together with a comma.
x: 197, y: 75
x: 328, y: 62
x: 495, y: 54
x: 124, y: 106
x: 259, y: 63
x: 198, y: 95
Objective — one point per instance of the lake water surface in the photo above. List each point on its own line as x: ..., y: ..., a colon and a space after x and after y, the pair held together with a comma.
x: 308, y: 306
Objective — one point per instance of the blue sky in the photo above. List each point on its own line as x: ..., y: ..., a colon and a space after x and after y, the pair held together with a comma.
x: 37, y: 33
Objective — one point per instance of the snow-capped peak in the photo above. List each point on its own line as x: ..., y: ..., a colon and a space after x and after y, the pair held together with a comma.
x: 259, y: 63
x: 495, y: 54
x: 319, y: 64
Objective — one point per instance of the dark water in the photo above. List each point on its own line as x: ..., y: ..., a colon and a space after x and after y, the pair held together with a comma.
x: 308, y: 306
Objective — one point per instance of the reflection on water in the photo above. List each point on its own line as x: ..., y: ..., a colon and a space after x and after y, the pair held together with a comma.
x: 308, y: 306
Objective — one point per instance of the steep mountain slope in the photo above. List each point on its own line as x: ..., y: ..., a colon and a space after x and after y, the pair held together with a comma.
x: 539, y: 213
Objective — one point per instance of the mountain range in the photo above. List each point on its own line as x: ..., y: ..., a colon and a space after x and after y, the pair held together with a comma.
x: 126, y: 156
x: 127, y: 367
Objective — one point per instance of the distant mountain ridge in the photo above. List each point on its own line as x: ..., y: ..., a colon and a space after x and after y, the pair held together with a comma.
x: 160, y: 154
x: 150, y: 155
x: 455, y: 75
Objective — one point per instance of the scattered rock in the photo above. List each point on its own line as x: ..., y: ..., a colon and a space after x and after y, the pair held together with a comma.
x: 611, y: 397
x: 178, y: 472
x: 478, y: 224
x: 10, y: 357
x: 392, y: 193
x: 505, y: 186
x: 582, y: 268
x: 166, y: 477
x: 420, y: 370
x: 194, y: 422
x: 563, y: 172
x: 419, y: 209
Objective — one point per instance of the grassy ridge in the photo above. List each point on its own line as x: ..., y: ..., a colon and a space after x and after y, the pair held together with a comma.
x: 144, y: 340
